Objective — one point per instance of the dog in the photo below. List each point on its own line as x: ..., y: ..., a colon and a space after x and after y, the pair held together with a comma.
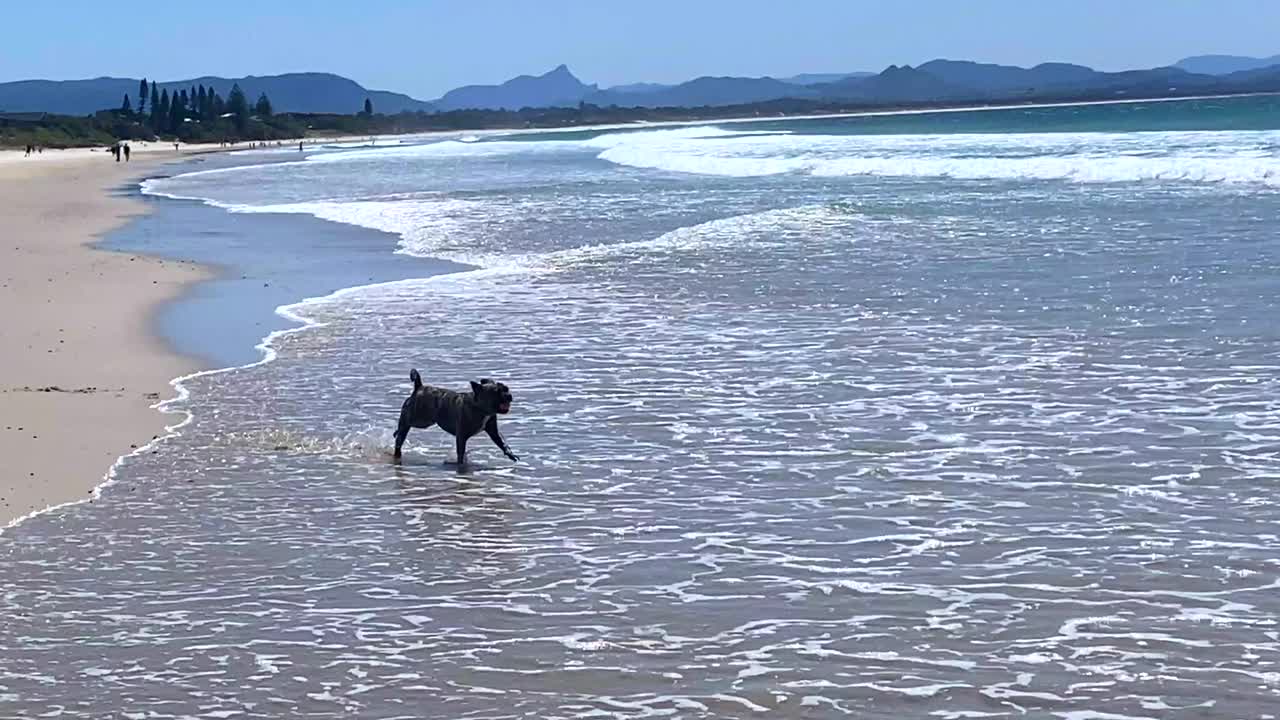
x: 461, y: 414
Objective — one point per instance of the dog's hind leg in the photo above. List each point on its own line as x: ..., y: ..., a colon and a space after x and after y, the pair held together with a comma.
x: 406, y: 412
x: 460, y: 442
x: 402, y: 431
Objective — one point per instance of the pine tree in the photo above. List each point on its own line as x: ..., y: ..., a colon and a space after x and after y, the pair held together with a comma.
x: 142, y: 96
x: 202, y: 104
x: 155, y: 106
x: 217, y: 106
x: 263, y: 107
x: 238, y: 106
x: 162, y: 115
x: 368, y: 107
x: 175, y: 111
x: 126, y: 106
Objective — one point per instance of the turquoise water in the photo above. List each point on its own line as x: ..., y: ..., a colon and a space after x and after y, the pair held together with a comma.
x: 1249, y: 113
x: 1260, y: 112
x: 815, y: 422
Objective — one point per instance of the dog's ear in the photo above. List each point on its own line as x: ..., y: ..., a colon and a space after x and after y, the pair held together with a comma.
x: 475, y: 387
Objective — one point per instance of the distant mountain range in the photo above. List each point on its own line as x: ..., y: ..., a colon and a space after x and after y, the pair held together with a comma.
x: 934, y: 81
x: 1225, y: 64
x: 943, y: 80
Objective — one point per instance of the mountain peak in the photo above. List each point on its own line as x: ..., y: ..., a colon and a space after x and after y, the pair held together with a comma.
x: 554, y: 88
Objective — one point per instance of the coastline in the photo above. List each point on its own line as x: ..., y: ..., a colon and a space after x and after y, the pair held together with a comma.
x: 93, y: 361
x: 313, y: 142
x: 317, y: 141
x: 223, y: 320
x: 83, y: 369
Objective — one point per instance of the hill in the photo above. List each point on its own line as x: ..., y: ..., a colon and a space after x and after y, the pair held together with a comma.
x: 705, y: 92
x: 895, y: 84
x: 1225, y: 64
x: 820, y: 78
x: 556, y: 88
x: 991, y: 78
x: 293, y: 92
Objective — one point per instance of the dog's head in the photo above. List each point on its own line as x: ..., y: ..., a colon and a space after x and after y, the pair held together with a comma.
x: 492, y: 396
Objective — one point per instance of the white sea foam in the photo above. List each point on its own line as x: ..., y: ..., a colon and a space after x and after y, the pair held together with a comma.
x: 443, y: 149
x: 738, y: 231
x: 428, y: 226
x: 372, y: 142
x: 1247, y: 159
x: 1236, y: 157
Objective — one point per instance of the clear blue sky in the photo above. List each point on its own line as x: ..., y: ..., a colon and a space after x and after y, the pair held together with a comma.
x: 425, y: 47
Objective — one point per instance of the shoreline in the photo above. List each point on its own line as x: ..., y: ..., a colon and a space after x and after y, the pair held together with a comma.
x: 314, y: 142
x: 84, y: 373
x: 105, y: 422
x: 223, y: 320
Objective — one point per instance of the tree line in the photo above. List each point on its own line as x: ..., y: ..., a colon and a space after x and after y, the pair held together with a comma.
x: 193, y: 114
x: 168, y: 113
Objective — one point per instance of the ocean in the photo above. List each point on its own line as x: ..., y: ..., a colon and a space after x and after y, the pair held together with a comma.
x: 952, y: 415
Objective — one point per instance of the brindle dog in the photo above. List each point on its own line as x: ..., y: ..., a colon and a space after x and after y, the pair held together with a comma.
x: 462, y: 415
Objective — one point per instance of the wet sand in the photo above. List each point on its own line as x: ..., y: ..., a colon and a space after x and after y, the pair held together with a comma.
x: 80, y: 367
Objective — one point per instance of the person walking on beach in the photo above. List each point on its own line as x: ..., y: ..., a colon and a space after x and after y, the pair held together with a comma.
x: 126, y: 153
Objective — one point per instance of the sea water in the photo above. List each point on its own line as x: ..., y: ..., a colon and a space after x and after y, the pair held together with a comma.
x: 954, y: 415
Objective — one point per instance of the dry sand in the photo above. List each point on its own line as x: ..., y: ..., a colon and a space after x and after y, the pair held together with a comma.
x: 80, y: 366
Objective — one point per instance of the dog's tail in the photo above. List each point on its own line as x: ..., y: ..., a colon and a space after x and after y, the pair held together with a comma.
x: 416, y: 378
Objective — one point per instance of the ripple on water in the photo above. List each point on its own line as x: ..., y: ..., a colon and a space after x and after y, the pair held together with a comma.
x: 805, y: 462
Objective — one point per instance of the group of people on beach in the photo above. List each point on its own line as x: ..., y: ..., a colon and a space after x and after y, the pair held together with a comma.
x: 121, y: 149
x: 34, y: 149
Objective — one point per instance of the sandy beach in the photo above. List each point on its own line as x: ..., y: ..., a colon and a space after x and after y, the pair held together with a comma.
x: 80, y: 365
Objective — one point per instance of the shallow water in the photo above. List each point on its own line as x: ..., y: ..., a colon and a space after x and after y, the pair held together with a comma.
x: 792, y: 445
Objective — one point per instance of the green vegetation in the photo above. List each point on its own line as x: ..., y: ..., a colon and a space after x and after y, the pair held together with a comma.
x: 198, y: 114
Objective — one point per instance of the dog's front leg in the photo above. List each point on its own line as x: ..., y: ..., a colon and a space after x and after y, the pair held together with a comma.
x: 491, y: 427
